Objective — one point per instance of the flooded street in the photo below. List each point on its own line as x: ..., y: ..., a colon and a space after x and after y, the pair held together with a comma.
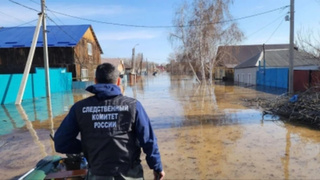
x: 203, y: 132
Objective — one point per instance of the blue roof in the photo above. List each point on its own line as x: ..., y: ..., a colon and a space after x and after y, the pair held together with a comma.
x: 58, y: 36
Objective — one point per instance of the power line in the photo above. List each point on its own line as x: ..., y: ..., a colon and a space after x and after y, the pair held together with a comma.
x: 275, y: 20
x: 51, y: 33
x: 47, y: 10
x: 151, y: 26
x: 170, y: 26
x: 61, y: 29
x: 55, y: 16
x: 35, y: 2
x: 30, y: 8
x: 274, y: 31
x: 12, y: 16
x: 19, y: 25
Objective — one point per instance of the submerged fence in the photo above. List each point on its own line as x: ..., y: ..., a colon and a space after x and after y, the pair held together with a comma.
x: 60, y: 81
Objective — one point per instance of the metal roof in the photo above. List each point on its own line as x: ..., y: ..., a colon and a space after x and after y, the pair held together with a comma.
x: 279, y: 58
x: 58, y: 36
x: 251, y: 62
x: 240, y: 53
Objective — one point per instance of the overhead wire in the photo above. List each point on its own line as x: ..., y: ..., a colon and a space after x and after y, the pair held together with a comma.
x: 274, y: 31
x: 51, y: 33
x: 19, y: 25
x: 30, y: 8
x: 170, y: 26
x: 61, y: 29
x: 154, y: 26
x: 12, y: 16
x: 48, y: 10
x: 275, y: 20
x: 35, y: 2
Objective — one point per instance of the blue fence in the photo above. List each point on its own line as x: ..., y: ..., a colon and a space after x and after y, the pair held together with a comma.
x: 276, y: 77
x: 60, y: 81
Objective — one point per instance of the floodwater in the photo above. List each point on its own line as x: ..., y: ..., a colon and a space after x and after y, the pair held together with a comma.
x: 203, y: 132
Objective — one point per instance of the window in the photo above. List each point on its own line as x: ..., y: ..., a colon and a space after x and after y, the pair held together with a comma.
x: 89, y: 45
x: 84, y: 75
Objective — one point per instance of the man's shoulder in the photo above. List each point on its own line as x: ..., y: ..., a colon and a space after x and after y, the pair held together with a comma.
x: 130, y: 98
x: 85, y: 101
x: 136, y: 101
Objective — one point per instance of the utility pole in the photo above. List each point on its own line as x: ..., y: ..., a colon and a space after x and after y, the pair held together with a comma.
x: 45, y: 47
x: 291, y: 48
x: 141, y: 64
x: 132, y: 61
x: 42, y: 18
x: 29, y: 61
x: 147, y: 68
x: 133, y: 55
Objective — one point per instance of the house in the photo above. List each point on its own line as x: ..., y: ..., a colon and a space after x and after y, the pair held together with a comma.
x: 271, y: 67
x: 122, y: 63
x: 117, y: 62
x: 228, y: 57
x: 74, y: 47
x: 122, y: 67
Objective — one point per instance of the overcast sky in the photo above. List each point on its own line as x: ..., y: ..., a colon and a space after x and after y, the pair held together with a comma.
x: 118, y: 41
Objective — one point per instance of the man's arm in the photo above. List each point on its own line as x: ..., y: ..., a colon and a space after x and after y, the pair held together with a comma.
x: 65, y: 138
x: 147, y: 139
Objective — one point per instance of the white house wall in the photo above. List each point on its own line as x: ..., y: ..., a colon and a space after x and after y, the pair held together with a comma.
x: 246, y: 75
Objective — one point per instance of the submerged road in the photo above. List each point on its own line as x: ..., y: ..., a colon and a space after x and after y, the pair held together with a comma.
x: 203, y: 132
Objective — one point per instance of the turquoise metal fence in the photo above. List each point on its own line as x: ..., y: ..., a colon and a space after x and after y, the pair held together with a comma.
x: 60, y: 81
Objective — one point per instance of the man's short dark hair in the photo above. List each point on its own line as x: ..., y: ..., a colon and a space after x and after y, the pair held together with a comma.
x: 107, y: 73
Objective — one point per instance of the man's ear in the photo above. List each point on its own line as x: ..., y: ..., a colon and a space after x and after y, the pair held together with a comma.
x: 95, y: 80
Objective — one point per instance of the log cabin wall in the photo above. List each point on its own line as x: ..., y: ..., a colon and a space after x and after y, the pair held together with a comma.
x: 87, y: 56
x: 13, y: 60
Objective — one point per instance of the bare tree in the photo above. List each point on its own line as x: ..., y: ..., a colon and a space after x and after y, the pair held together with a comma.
x: 309, y: 42
x: 180, y: 35
x: 178, y: 64
x: 200, y: 28
x: 138, y: 62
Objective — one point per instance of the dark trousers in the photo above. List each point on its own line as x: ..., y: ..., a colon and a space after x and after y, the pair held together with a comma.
x: 135, y: 173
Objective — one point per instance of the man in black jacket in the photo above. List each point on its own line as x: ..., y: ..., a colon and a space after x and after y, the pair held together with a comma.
x: 113, y: 130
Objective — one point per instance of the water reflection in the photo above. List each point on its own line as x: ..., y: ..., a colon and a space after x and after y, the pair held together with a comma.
x: 41, y: 112
x: 193, y: 105
x: 285, y: 160
x: 208, y: 132
x: 33, y: 133
x: 7, y: 114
